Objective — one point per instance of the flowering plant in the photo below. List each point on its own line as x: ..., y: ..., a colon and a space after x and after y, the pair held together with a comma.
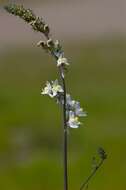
x: 57, y: 89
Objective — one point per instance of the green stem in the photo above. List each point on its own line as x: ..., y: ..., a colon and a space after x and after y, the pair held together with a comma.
x: 91, y: 175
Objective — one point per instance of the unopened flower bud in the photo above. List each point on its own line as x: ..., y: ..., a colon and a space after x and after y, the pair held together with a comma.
x: 102, y: 153
x: 46, y: 28
x: 50, y: 43
x: 41, y: 43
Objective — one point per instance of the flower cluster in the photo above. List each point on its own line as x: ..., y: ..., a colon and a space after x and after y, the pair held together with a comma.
x: 52, y: 89
x: 28, y: 16
x: 56, y: 50
x: 73, y: 109
x: 73, y: 112
x: 18, y: 10
x: 39, y: 25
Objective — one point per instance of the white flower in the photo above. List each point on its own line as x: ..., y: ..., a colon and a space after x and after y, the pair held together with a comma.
x: 62, y: 61
x: 79, y: 111
x: 73, y: 120
x: 74, y: 106
x: 47, y: 90
x: 56, y: 88
x: 52, y: 89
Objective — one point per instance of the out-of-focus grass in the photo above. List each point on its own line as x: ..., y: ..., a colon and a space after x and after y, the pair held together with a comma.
x: 30, y: 126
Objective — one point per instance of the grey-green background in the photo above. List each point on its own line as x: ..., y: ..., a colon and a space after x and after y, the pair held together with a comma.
x: 30, y: 124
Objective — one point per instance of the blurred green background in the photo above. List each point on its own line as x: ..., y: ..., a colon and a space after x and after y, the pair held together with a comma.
x: 30, y: 124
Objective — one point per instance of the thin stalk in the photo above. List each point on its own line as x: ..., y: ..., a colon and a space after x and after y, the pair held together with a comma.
x: 65, y: 147
x: 65, y: 139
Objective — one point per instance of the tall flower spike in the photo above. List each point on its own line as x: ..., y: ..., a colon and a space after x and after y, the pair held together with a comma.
x: 71, y: 108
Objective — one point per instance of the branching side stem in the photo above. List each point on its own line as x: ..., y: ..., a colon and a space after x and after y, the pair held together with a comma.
x: 91, y: 175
